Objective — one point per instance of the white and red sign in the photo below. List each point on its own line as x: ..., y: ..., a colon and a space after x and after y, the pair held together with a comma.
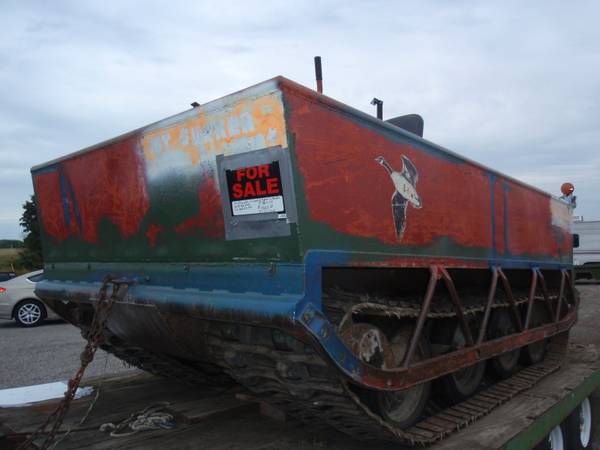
x: 255, y: 190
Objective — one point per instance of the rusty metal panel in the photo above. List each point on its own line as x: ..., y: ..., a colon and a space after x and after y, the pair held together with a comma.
x: 361, y: 184
x: 153, y: 195
x: 372, y: 187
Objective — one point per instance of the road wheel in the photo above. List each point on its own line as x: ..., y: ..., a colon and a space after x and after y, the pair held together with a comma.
x: 534, y: 353
x: 459, y: 385
x: 401, y: 408
x: 404, y: 408
x: 501, y: 324
x: 578, y: 427
x: 554, y: 441
x: 30, y: 313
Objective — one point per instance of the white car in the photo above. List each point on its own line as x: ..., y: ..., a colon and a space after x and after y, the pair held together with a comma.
x: 19, y: 302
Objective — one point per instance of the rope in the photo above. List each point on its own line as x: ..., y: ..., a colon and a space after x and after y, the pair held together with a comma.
x: 153, y: 417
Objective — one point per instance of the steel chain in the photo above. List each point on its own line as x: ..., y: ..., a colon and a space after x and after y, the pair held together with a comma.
x: 95, y: 338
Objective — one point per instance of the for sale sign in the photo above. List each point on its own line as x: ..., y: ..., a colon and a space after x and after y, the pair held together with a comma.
x: 255, y: 190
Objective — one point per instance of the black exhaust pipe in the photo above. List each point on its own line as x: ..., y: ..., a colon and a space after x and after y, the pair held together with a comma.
x: 319, y: 74
x: 379, y: 104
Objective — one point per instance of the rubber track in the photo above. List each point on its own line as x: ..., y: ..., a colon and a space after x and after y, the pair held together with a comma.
x: 302, y: 384
x: 295, y: 387
x: 162, y: 365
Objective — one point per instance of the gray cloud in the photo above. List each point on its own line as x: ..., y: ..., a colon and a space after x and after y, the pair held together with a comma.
x: 513, y: 85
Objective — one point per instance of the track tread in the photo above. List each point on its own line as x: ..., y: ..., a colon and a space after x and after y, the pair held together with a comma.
x: 285, y: 379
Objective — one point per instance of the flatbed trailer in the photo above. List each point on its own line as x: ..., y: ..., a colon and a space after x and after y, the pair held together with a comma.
x: 216, y: 418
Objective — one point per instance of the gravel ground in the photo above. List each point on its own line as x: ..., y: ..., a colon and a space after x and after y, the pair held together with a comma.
x: 47, y: 353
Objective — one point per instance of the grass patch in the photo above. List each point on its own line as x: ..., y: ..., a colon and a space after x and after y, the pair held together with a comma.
x: 8, y: 256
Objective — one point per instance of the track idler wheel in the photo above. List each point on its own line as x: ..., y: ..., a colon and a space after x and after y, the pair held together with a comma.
x: 369, y: 343
x: 534, y: 353
x: 402, y: 408
x: 501, y: 324
x: 463, y: 383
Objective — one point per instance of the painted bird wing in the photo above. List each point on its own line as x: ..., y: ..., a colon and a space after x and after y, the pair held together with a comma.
x: 409, y: 171
x: 399, y: 205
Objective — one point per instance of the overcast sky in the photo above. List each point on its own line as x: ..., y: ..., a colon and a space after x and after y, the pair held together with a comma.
x: 514, y: 85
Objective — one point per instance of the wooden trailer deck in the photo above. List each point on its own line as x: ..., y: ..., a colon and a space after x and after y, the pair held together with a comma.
x: 218, y: 419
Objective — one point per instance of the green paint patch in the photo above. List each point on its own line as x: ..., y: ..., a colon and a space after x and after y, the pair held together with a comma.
x: 171, y: 246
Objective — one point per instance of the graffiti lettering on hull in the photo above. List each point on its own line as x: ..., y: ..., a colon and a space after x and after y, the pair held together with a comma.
x: 194, y: 141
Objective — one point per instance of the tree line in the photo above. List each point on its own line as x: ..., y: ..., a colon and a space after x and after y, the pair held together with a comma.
x: 11, y: 243
x: 29, y: 256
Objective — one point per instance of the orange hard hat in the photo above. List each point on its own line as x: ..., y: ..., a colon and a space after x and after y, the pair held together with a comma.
x: 567, y: 188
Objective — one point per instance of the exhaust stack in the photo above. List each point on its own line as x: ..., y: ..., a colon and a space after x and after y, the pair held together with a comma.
x: 379, y: 104
x: 319, y: 74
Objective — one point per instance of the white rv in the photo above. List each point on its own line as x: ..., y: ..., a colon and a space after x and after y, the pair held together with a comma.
x: 586, y: 257
x: 588, y: 251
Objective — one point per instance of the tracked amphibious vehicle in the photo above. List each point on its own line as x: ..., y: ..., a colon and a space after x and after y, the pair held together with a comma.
x: 347, y: 270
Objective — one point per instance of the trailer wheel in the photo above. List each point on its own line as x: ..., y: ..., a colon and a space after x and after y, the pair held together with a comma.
x: 556, y: 438
x: 534, y: 353
x: 578, y: 427
x: 554, y: 441
x: 457, y: 386
x: 501, y: 324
